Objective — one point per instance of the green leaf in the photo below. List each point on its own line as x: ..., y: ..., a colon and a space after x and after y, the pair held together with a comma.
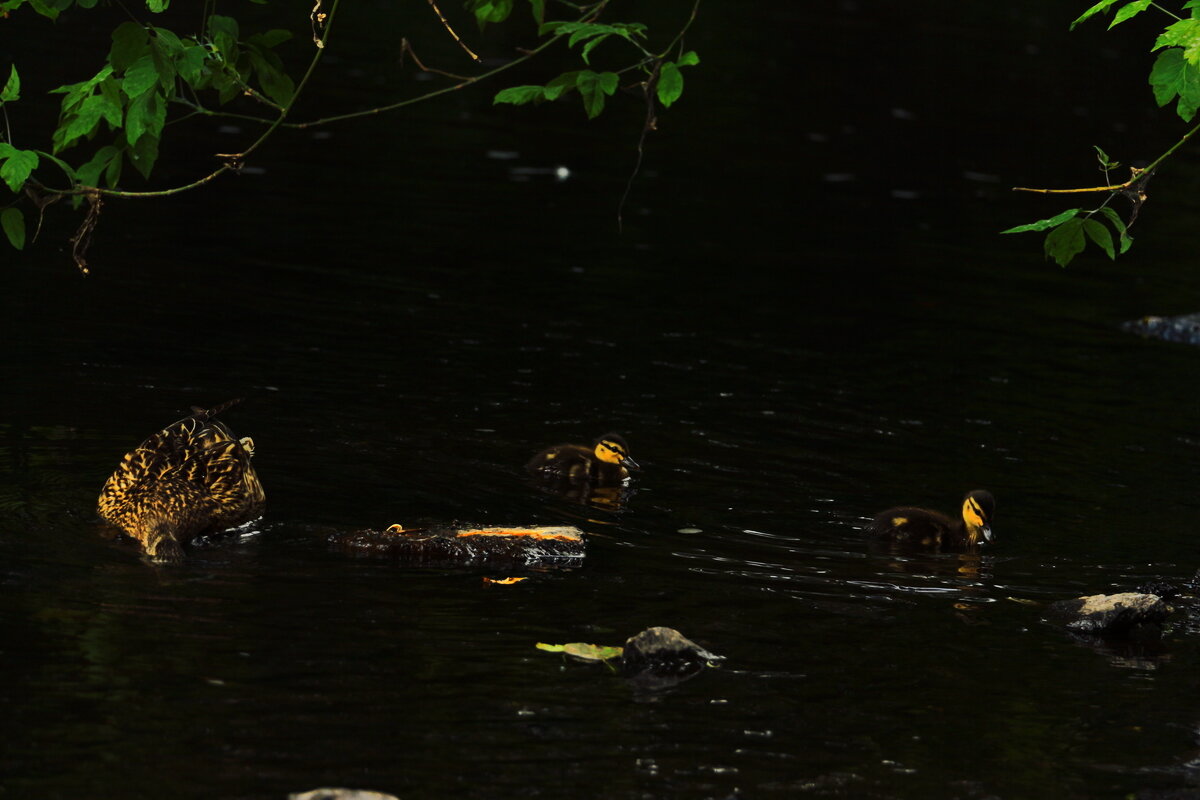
x: 12, y: 88
x: 590, y: 46
x: 1100, y: 7
x: 1044, y: 224
x: 670, y: 83
x: 157, y: 6
x: 583, y: 651
x: 1066, y: 241
x: 688, y: 59
x: 140, y: 77
x: 130, y: 41
x: 143, y: 154
x: 1128, y: 11
x: 271, y: 38
x: 224, y: 34
x: 1185, y: 34
x: 593, y: 87
x: 1171, y: 77
x: 561, y: 84
x: 1125, y: 240
x: 13, y: 222
x: 519, y: 95
x: 191, y: 64
x: 113, y: 107
x: 145, y: 116
x: 1194, y: 7
x: 1100, y: 235
x: 89, y: 173
x: 274, y: 80
x: 17, y: 165
x: 1105, y: 161
x: 539, y: 10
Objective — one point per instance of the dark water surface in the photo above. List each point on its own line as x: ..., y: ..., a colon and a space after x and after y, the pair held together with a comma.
x: 787, y: 349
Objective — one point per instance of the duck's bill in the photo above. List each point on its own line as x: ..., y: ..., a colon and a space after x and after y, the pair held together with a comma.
x: 629, y: 463
x: 987, y: 533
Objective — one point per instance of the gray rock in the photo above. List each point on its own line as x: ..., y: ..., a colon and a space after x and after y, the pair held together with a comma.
x: 665, y: 652
x: 1108, y: 614
x: 1184, y: 328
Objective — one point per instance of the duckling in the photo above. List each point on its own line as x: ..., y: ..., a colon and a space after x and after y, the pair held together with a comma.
x: 191, y: 477
x: 923, y: 528
x: 605, y: 463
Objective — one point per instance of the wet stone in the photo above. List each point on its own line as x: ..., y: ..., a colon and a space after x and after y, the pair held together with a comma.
x: 506, y: 547
x: 664, y: 652
x: 340, y: 794
x: 1108, y: 615
x: 1184, y: 328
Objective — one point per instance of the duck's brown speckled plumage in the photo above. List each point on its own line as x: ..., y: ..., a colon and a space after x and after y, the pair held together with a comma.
x: 605, y: 463
x: 191, y: 477
x: 931, y: 530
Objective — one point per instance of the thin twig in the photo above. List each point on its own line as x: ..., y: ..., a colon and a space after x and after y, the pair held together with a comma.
x: 450, y: 30
x: 406, y: 47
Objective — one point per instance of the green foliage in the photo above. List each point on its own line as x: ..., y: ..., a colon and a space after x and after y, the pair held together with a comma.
x: 152, y: 76
x: 13, y: 223
x: 12, y: 88
x: 1070, y: 230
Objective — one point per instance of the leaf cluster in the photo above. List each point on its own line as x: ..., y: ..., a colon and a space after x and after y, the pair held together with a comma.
x: 1070, y: 231
x: 147, y: 68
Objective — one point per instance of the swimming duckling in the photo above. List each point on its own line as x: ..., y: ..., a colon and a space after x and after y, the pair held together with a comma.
x: 923, y: 528
x: 193, y: 476
x: 606, y: 463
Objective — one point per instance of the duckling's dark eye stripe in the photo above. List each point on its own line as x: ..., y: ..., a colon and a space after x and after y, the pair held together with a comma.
x: 975, y: 507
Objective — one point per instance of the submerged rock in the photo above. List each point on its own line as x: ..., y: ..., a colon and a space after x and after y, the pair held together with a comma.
x: 340, y: 794
x: 1108, y: 614
x: 508, y: 547
x: 1184, y: 328
x: 664, y: 652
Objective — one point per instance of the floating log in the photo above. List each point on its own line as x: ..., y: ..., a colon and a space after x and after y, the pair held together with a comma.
x: 511, y: 547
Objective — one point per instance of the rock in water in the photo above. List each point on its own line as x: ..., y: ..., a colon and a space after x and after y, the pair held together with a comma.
x: 504, y: 547
x: 1184, y: 328
x: 1108, y: 614
x: 664, y: 652
x: 340, y: 794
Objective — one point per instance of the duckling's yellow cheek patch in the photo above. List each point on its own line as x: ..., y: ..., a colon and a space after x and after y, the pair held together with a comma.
x: 973, y: 514
x: 606, y: 453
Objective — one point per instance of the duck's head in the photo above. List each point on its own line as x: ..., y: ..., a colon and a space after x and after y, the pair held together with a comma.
x: 977, y: 510
x: 611, y: 448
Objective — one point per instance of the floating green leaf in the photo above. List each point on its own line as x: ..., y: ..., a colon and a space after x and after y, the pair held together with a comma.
x: 582, y: 651
x: 1066, y: 241
x: 13, y: 222
x: 670, y: 83
x: 1172, y: 76
x: 16, y: 165
x: 12, y: 88
x: 1045, y: 224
